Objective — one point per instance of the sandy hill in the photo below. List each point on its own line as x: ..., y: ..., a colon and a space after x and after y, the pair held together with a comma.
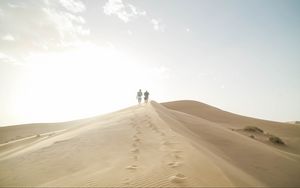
x: 182, y: 143
x: 294, y: 122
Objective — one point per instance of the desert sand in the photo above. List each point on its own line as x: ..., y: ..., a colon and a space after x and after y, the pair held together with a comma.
x: 174, y: 144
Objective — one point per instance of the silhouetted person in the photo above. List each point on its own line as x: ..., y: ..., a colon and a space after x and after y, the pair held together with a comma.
x: 146, y: 96
x: 139, y: 96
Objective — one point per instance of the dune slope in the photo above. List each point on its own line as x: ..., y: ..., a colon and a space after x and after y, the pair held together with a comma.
x: 150, y: 145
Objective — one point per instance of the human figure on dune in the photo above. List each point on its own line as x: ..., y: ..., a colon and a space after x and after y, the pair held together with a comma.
x: 139, y: 96
x: 146, y: 96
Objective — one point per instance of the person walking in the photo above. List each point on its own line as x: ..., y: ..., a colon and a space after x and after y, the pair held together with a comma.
x: 139, y: 96
x: 146, y: 96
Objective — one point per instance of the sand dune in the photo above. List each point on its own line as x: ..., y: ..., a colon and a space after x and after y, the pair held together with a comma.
x: 176, y: 144
x: 294, y: 122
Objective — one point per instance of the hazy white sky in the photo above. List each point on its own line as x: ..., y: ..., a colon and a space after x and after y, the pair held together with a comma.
x: 68, y: 59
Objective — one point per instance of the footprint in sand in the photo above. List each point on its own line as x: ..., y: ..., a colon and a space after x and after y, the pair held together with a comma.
x: 178, y: 178
x: 135, y: 150
x: 138, y: 131
x: 174, y: 164
x: 134, y: 144
x: 149, y: 125
x: 162, y: 134
x: 133, y: 124
x: 154, y: 129
x: 136, y: 139
x: 126, y: 181
x: 135, y: 136
x: 135, y: 157
x: 165, y: 142
x: 176, y: 156
x: 146, y: 120
x: 132, y: 167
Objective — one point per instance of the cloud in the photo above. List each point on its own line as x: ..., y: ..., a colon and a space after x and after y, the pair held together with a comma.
x: 6, y: 58
x: 127, y: 12
x: 74, y: 6
x: 69, y: 26
x: 8, y: 37
x: 157, y: 25
x: 187, y: 29
x: 17, y: 5
x: 49, y: 26
x: 124, y: 11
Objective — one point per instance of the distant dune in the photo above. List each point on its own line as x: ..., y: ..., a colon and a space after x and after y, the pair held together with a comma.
x: 174, y: 144
x: 294, y: 122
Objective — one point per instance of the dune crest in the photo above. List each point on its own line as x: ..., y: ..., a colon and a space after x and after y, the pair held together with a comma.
x: 182, y: 143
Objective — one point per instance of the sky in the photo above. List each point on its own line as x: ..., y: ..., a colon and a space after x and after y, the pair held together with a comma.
x: 62, y: 60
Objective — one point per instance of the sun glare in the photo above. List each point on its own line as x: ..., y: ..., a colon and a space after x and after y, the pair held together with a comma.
x: 85, y: 81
